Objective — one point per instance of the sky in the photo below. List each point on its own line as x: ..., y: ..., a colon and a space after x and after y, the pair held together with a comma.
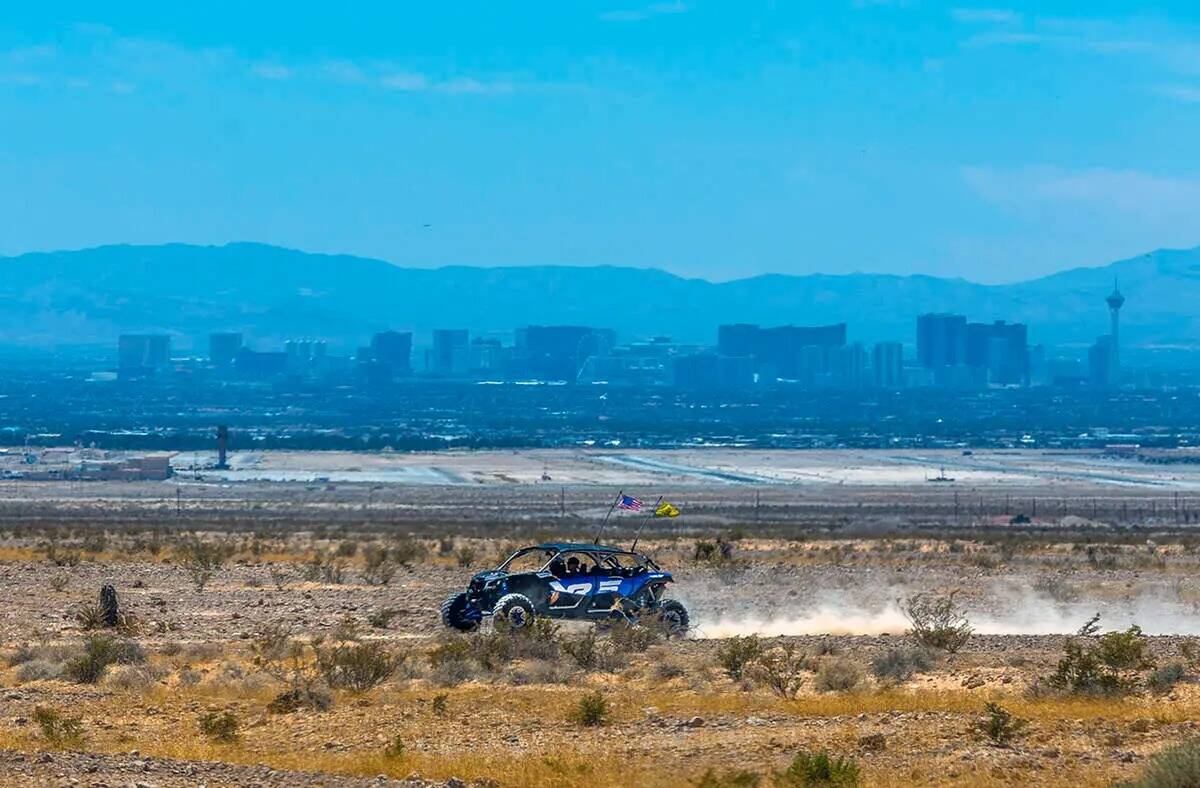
x: 711, y: 139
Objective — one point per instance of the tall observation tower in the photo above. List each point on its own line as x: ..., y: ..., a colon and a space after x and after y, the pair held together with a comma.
x: 1115, y: 301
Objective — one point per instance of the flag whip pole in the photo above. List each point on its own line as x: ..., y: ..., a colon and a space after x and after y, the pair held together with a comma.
x: 645, y: 520
x: 605, y: 521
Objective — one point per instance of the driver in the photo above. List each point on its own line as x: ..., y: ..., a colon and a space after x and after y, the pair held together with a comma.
x: 574, y: 568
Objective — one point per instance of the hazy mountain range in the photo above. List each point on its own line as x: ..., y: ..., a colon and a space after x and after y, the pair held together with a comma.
x: 269, y: 293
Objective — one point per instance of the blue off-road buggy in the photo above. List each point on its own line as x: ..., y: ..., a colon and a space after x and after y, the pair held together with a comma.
x: 581, y: 582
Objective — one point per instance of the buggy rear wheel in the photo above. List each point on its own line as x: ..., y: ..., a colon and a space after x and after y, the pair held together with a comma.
x: 456, y: 614
x: 673, y: 617
x: 515, y: 610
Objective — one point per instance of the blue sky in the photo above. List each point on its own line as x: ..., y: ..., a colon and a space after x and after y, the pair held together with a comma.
x: 711, y: 139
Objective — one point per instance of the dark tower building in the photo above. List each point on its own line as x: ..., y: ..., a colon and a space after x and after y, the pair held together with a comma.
x: 142, y: 355
x: 941, y: 340
x: 223, y: 348
x: 393, y: 349
x: 1115, y: 301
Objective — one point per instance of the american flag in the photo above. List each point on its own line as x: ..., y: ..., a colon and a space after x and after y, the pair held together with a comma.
x: 632, y: 504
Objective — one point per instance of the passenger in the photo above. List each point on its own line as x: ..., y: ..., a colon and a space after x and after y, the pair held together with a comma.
x: 573, y: 567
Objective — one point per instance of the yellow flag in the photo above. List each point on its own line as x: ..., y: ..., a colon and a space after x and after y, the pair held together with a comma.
x: 666, y: 510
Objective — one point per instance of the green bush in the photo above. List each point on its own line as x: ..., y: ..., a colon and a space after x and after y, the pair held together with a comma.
x: 838, y: 675
x: 899, y: 664
x: 220, y: 726
x: 1164, y: 679
x: 819, y: 769
x: 355, y: 666
x: 937, y: 621
x: 998, y: 725
x: 1109, y: 666
x: 738, y: 652
x: 592, y: 710
x: 99, y: 652
x: 736, y: 778
x: 1174, y: 767
x: 780, y: 669
x: 57, y: 728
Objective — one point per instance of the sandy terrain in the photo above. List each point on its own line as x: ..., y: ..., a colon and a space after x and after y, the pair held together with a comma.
x: 675, y: 714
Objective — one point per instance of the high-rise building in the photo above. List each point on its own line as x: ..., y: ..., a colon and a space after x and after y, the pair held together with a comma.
x: 451, y: 352
x: 1115, y: 301
x: 394, y: 350
x: 847, y: 366
x: 712, y: 371
x: 1000, y: 348
x: 782, y: 351
x: 223, y: 348
x: 887, y: 365
x: 941, y: 340
x: 1100, y: 356
x: 558, y: 352
x: 142, y: 355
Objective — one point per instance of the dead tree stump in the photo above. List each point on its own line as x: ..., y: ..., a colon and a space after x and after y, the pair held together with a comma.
x: 110, y: 614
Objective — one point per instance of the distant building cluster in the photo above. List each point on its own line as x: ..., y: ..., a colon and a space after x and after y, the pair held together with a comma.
x: 951, y: 352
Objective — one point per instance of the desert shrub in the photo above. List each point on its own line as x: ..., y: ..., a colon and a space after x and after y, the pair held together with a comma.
x: 1163, y: 679
x: 378, y: 568
x: 202, y: 558
x: 712, y: 552
x: 59, y: 582
x: 130, y: 677
x: 39, y: 670
x: 592, y: 710
x: 395, y: 748
x: 91, y: 616
x: 899, y: 664
x: 61, y: 557
x: 464, y: 556
x: 937, y: 621
x: 57, y: 728
x: 780, y: 669
x: 998, y: 725
x: 819, y: 769
x: 1174, y: 767
x: 1109, y: 666
x: 451, y: 663
x: 99, y: 652
x: 494, y: 650
x: 438, y: 704
x: 538, y: 671
x: 738, y: 652
x: 665, y: 671
x: 347, y: 548
x: 408, y: 551
x: 219, y: 726
x: 325, y: 568
x: 838, y: 675
x: 355, y: 666
x: 589, y: 652
x: 631, y: 638
x: 292, y: 661
x: 735, y: 778
x: 382, y: 617
x: 298, y: 699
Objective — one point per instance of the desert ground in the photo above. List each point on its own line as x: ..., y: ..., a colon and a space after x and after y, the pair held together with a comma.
x: 286, y: 631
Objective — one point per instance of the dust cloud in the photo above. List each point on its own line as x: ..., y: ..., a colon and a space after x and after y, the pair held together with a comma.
x: 1003, y: 610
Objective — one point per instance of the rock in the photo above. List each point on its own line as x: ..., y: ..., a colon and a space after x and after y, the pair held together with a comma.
x: 454, y: 782
x: 974, y: 682
x: 44, y: 757
x: 695, y: 722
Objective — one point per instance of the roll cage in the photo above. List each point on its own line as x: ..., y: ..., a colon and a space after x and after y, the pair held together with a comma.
x: 604, y: 559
